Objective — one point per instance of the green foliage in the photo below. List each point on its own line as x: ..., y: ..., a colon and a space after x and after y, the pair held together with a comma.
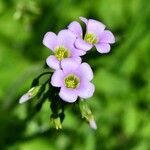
x: 121, y: 103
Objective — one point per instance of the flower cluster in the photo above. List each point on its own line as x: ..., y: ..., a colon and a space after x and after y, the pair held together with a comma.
x: 70, y: 78
x: 71, y: 75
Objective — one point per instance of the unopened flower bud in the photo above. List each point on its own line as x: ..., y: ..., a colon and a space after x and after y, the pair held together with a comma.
x: 57, y: 123
x: 87, y: 114
x: 92, y: 123
x: 30, y: 94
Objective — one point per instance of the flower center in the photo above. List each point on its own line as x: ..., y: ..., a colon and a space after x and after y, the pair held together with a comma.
x: 72, y: 81
x: 61, y: 53
x: 90, y: 38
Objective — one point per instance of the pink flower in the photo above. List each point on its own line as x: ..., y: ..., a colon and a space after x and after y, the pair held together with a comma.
x: 74, y: 80
x: 95, y: 35
x: 62, y: 45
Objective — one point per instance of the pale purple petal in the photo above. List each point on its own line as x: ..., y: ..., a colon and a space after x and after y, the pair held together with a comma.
x: 86, y: 89
x: 52, y: 62
x: 77, y: 59
x: 107, y: 37
x: 84, y: 20
x: 75, y: 27
x: 50, y: 40
x: 69, y: 65
x: 102, y: 48
x: 95, y: 27
x: 93, y: 124
x: 57, y: 78
x: 77, y: 52
x: 66, y: 38
x: 25, y: 98
x: 81, y: 44
x: 68, y: 95
x: 85, y: 71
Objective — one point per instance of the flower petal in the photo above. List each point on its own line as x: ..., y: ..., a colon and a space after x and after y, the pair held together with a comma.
x: 81, y: 44
x: 86, y: 89
x: 69, y: 65
x: 66, y: 38
x: 75, y: 27
x: 95, y: 27
x: 103, y: 48
x: 84, y: 20
x: 93, y: 124
x: 77, y: 52
x: 107, y: 37
x: 50, y: 40
x: 57, y: 78
x: 77, y: 59
x: 52, y: 62
x: 85, y: 71
x: 68, y: 95
x: 24, y: 98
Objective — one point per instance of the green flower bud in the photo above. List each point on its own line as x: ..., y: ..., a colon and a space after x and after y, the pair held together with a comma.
x: 87, y: 114
x: 57, y: 123
x: 30, y: 94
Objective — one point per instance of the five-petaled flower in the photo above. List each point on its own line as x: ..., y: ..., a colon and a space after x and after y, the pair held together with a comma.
x: 63, y: 47
x: 74, y: 80
x: 95, y: 35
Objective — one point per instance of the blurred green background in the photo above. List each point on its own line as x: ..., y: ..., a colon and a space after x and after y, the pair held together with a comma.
x: 121, y: 103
